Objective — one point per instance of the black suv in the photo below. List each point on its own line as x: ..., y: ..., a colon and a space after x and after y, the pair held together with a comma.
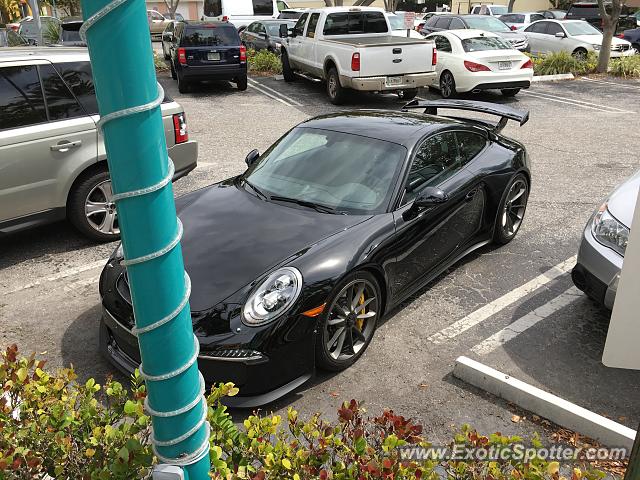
x: 207, y: 51
x: 590, y: 12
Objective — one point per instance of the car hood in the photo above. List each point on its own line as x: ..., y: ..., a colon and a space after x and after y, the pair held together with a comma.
x: 622, y: 202
x: 232, y: 237
x: 597, y: 39
x: 512, y: 35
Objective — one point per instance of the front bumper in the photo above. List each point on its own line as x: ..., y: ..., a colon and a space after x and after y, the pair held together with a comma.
x: 598, y: 270
x: 381, y: 84
x: 184, y: 157
x: 624, y: 53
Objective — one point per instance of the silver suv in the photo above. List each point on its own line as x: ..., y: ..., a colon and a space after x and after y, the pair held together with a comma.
x: 52, y: 158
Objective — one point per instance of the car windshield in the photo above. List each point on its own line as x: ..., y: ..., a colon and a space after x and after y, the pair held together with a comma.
x: 479, y: 44
x: 490, y: 24
x: 350, y: 173
x: 210, y: 35
x: 499, y: 9
x: 396, y: 22
x: 581, y: 28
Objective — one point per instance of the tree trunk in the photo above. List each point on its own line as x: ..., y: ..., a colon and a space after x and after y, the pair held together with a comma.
x: 605, y: 50
x: 328, y: 3
x: 510, y: 5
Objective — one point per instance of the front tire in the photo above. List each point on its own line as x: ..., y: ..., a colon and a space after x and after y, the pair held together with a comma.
x: 348, y: 325
x: 511, y: 210
x: 91, y: 208
x: 510, y: 92
x: 335, y: 91
x: 287, y: 72
x: 447, y: 85
x: 579, y: 54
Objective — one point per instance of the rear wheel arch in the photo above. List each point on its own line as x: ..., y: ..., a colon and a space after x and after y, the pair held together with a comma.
x: 100, y: 165
x: 328, y: 65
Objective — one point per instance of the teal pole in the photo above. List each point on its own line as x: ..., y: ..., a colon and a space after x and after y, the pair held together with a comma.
x: 120, y: 48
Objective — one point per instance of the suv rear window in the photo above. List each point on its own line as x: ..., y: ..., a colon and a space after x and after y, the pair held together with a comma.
x: 354, y: 22
x: 587, y: 10
x: 209, y: 35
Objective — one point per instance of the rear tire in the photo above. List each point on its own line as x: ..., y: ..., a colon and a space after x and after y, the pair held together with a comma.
x: 242, y: 83
x: 287, y: 72
x: 90, y: 207
x: 408, y: 94
x: 510, y: 92
x: 447, y: 85
x: 511, y: 210
x: 183, y: 85
x: 335, y: 91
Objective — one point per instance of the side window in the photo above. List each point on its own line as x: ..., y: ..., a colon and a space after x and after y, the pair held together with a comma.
x: 456, y: 23
x: 442, y: 44
x: 539, y: 27
x: 534, y: 17
x: 260, y: 29
x: 436, y: 159
x: 299, y: 28
x: 432, y: 21
x: 21, y: 101
x: 61, y: 104
x: 469, y: 145
x: 553, y: 28
x: 281, y: 5
x: 313, y: 23
x: 443, y: 23
x: 78, y: 77
x: 156, y: 16
x: 263, y: 7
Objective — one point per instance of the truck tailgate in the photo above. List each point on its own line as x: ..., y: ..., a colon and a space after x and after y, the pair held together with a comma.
x: 388, y: 55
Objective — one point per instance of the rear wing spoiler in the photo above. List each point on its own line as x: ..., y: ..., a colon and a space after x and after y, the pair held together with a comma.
x: 504, y: 112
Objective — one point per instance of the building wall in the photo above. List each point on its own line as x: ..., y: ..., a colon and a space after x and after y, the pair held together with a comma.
x: 463, y: 6
x: 189, y: 9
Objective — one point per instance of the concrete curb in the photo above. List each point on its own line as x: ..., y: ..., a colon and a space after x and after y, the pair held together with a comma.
x: 544, y: 404
x: 553, y: 78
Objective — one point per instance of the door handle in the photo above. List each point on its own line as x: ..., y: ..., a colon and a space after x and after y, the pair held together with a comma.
x: 470, y: 195
x: 65, y: 146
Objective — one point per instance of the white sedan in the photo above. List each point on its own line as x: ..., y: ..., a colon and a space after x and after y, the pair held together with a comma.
x: 475, y: 60
x: 574, y: 36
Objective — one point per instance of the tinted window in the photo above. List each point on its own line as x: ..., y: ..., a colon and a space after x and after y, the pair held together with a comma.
x: 554, y: 28
x: 456, y: 23
x: 263, y: 7
x: 375, y: 22
x: 480, y: 44
x: 512, y: 18
x: 61, y: 103
x: 78, y: 76
x: 538, y: 27
x: 442, y: 43
x: 290, y: 15
x: 213, y: 8
x: 210, y: 35
x: 71, y: 36
x: 469, y: 145
x: 535, y: 17
x: 443, y: 22
x: 21, y: 101
x: 432, y: 21
x: 313, y: 23
x: 355, y: 22
x: 436, y: 159
x: 590, y: 10
x: 299, y: 28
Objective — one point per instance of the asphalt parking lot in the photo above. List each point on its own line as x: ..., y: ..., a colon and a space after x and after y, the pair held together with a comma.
x: 583, y: 140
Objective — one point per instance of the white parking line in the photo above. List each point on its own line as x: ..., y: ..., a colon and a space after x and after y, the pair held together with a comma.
x: 258, y: 86
x: 526, y: 322
x: 490, y: 309
x: 604, y: 82
x: 264, y: 92
x: 576, y: 103
x: 58, y: 276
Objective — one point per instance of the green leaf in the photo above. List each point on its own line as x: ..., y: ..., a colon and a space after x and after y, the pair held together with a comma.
x: 123, y: 454
x: 22, y: 374
x: 130, y: 407
x: 360, y: 445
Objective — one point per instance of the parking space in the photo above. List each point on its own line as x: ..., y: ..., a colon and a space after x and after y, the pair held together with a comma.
x: 513, y: 308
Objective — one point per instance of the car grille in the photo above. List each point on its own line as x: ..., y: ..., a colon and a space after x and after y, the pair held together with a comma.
x: 620, y: 48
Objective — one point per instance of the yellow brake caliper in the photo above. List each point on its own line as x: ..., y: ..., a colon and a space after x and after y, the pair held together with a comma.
x: 360, y: 321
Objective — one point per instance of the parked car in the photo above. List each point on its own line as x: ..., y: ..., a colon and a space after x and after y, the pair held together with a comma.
x: 291, y: 13
x: 604, y: 242
x: 633, y: 37
x: 396, y: 22
x: 242, y: 12
x: 295, y: 262
x: 473, y: 60
x: 265, y: 34
x: 590, y: 12
x: 477, y: 22
x: 553, y: 14
x: 157, y: 23
x: 167, y: 38
x: 70, y: 33
x: 492, y: 10
x: 29, y: 30
x: 49, y: 113
x: 574, y: 36
x: 516, y: 21
x: 9, y: 38
x: 207, y: 51
x: 421, y: 20
x: 353, y: 48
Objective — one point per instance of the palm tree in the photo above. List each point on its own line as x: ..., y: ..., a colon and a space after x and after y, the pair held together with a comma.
x: 8, y: 10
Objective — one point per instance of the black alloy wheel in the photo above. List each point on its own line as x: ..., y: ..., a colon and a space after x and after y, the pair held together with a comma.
x: 512, y: 209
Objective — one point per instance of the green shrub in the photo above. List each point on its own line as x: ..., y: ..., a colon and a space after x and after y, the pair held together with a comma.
x: 158, y: 61
x: 50, y: 424
x: 264, y: 61
x: 627, y: 67
x: 563, y: 62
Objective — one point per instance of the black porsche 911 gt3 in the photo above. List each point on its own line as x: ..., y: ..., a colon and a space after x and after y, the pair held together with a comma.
x: 294, y: 262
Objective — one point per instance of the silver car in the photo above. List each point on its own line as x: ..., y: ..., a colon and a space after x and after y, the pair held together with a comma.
x: 604, y: 243
x: 52, y: 158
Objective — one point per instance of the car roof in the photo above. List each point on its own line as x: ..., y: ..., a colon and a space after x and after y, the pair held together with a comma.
x: 52, y: 54
x: 346, y: 9
x: 403, y: 128
x: 198, y: 23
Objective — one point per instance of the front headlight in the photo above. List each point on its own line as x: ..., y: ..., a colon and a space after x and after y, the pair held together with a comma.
x: 595, y: 46
x: 608, y: 231
x: 273, y: 297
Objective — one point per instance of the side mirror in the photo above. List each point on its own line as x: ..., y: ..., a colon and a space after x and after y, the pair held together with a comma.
x: 251, y: 157
x: 429, y: 197
x: 560, y: 35
x: 284, y: 30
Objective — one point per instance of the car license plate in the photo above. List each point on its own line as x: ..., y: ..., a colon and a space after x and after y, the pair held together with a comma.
x: 504, y: 65
x: 394, y: 81
x: 213, y: 56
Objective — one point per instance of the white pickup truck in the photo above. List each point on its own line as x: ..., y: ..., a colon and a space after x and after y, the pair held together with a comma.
x: 353, y: 47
